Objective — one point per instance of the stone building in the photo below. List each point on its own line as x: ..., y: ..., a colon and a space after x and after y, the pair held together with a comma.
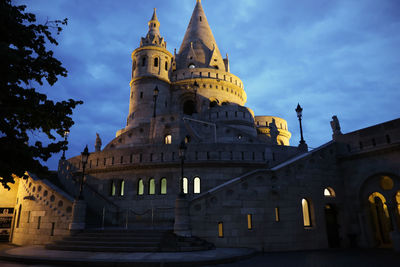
x: 239, y: 184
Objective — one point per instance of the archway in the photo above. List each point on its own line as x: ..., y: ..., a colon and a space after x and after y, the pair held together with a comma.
x: 332, y: 226
x: 189, y: 107
x: 380, y: 219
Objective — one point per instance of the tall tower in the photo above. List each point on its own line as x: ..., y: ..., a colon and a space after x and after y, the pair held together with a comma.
x: 151, y: 64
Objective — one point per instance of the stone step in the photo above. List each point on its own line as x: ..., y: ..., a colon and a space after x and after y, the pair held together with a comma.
x: 102, y: 248
x: 114, y: 239
x: 107, y: 243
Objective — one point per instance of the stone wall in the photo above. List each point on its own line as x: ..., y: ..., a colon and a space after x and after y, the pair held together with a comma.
x: 43, y: 212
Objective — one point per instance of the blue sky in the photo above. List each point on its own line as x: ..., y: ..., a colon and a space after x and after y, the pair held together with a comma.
x: 334, y: 57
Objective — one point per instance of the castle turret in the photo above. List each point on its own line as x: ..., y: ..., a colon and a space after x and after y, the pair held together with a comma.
x: 151, y: 64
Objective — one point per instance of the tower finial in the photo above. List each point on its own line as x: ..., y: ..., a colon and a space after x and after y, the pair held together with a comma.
x: 154, y: 17
x: 198, y: 1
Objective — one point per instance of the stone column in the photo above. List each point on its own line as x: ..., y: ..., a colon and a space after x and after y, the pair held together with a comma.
x: 182, y: 219
x: 78, y: 216
x: 395, y: 234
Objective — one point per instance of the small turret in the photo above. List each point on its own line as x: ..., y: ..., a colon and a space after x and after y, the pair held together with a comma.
x: 97, y: 145
x: 153, y: 37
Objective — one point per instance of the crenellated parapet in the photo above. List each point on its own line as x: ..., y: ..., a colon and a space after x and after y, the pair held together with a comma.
x: 263, y: 128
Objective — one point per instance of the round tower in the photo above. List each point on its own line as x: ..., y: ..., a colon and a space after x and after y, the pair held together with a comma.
x: 151, y: 65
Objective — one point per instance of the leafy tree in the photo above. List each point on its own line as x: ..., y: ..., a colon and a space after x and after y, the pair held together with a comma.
x: 26, y: 60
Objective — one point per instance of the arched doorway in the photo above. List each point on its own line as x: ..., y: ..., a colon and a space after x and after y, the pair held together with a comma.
x: 332, y: 226
x: 380, y: 219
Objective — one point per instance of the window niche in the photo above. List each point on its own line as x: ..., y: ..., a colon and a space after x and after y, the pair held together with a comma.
x: 329, y: 192
x: 152, y: 186
x: 163, y: 186
x: 307, y: 221
x: 197, y: 185
x: 140, y: 188
x: 168, y: 139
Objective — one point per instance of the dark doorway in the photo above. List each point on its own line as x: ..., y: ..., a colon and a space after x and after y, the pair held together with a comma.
x: 188, y: 107
x: 380, y: 219
x: 332, y: 226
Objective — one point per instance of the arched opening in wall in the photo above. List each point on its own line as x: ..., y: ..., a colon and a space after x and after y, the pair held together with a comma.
x: 397, y: 197
x: 187, y: 139
x: 332, y: 226
x: 166, y: 65
x: 112, y: 188
x: 380, y: 218
x: 197, y: 185
x: 19, y: 215
x: 156, y: 62
x: 152, y: 186
x: 329, y: 192
x: 122, y: 188
x: 140, y: 187
x: 188, y: 107
x: 213, y: 103
x: 168, y: 139
x: 143, y: 61
x: 185, y: 185
x: 163, y: 186
x: 305, y: 204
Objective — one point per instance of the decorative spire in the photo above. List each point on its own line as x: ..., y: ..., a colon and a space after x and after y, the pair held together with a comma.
x: 153, y: 37
x: 154, y: 25
x: 199, y: 37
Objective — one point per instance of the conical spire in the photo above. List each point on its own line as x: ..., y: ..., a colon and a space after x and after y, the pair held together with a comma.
x: 153, y: 37
x: 199, y: 37
x: 154, y: 25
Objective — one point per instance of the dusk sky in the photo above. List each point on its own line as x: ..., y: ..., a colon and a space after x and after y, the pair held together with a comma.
x: 333, y: 57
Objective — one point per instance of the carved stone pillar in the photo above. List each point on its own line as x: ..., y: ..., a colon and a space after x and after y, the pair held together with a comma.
x: 78, y: 216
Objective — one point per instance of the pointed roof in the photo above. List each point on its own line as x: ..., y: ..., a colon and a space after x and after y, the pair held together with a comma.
x: 154, y: 17
x: 199, y: 37
x: 153, y: 36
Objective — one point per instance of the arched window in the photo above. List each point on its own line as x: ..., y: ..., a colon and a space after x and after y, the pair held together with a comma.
x: 196, y: 185
x: 19, y: 215
x: 143, y: 61
x: 187, y: 139
x: 220, y: 229
x: 329, y: 192
x: 163, y: 189
x: 185, y: 184
x: 140, y: 190
x: 306, y: 213
x: 166, y: 65
x: 152, y: 186
x: 398, y: 201
x: 156, y: 62
x: 112, y: 189
x: 122, y: 188
x: 168, y: 139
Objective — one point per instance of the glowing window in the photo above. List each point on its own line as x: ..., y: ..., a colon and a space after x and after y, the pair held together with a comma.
x: 192, y: 66
x: 168, y: 139
x: 187, y: 139
x: 249, y: 222
x: 306, y: 212
x: 221, y: 229
x: 112, y: 193
x: 196, y: 185
x: 140, y: 187
x: 122, y: 188
x: 163, y: 189
x: 398, y: 201
x: 185, y: 185
x: 329, y: 192
x: 277, y: 219
x: 152, y: 186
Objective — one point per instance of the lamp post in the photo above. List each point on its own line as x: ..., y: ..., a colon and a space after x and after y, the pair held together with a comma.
x: 155, y: 95
x: 299, y: 112
x: 84, y: 157
x: 195, y: 88
x: 66, y: 133
x: 182, y: 154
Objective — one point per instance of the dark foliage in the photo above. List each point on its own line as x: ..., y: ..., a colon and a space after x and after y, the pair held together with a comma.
x: 25, y: 60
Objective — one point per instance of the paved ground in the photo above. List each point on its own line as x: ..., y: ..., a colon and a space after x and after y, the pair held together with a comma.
x: 326, y: 258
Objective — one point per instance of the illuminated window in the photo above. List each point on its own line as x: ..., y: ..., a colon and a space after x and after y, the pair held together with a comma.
x: 329, y: 192
x: 196, y: 185
x: 152, y: 186
x: 192, y: 66
x: 163, y: 189
x: 122, y: 188
x: 140, y: 187
x: 277, y: 219
x: 185, y: 185
x: 306, y: 213
x: 398, y: 201
x: 168, y: 139
x: 221, y: 229
x: 112, y: 192
x: 249, y: 222
x: 187, y: 139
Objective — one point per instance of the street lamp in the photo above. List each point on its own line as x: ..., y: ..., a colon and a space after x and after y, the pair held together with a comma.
x: 84, y: 157
x: 66, y: 133
x: 299, y: 112
x: 195, y: 88
x: 182, y: 154
x: 155, y: 95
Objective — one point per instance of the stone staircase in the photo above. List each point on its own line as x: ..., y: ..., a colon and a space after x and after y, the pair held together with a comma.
x: 117, y: 240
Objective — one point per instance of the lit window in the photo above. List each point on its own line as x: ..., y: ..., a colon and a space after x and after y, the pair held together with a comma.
x: 249, y: 222
x: 168, y: 139
x: 329, y: 192
x: 277, y: 219
x: 163, y: 188
x: 185, y: 185
x: 196, y: 185
x: 112, y: 193
x: 221, y: 229
x: 140, y: 187
x: 192, y: 66
x: 187, y: 139
x: 152, y: 186
x: 122, y: 188
x: 306, y: 212
x: 398, y: 201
